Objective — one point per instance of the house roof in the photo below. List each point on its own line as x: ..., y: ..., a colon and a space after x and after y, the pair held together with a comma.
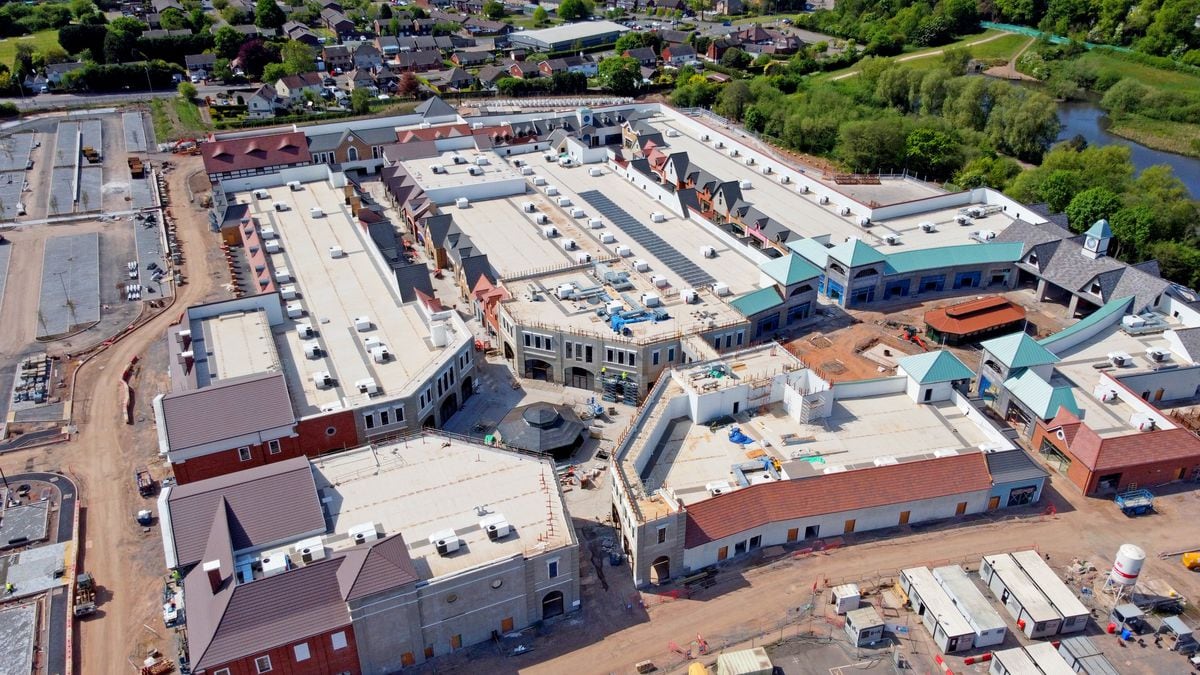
x: 382, y: 566
x: 262, y: 504
x: 253, y: 152
x: 974, y: 316
x: 1114, y: 452
x: 1042, y: 398
x: 642, y: 54
x: 1018, y: 350
x: 1012, y: 466
x: 757, y: 301
x: 1067, y: 422
x: 435, y: 107
x: 953, y: 256
x: 855, y: 252
x: 757, y: 505
x: 931, y: 367
x: 245, y: 405
x: 302, y: 80
x: 1189, y: 341
x: 191, y: 60
x: 790, y: 269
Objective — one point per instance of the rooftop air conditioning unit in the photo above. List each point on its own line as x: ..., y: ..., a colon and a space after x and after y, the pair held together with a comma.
x: 864, y: 221
x: 650, y: 299
x: 336, y: 252
x: 295, y: 310
x: 718, y: 488
x: 322, y: 380
x: 542, y: 218
x: 363, y: 533
x: 438, y: 169
x: 704, y: 138
x: 577, y: 213
x: 734, y: 152
x: 641, y: 265
x: 381, y: 354
x: 785, y: 179
x: 527, y: 171
x: 583, y: 257
x: 721, y: 288
x: 564, y: 291
x: 305, y: 331
x: 689, y: 295
x: 749, y: 161
x: 477, y: 125
x: 708, y: 251
x: 892, y: 239
x: 623, y: 251
x: 564, y: 201
x: 658, y: 217
x: 280, y: 206
x: 539, y: 181
x: 595, y: 223
x: 362, y: 324
x: 803, y: 189
x: 659, y: 281
x: 549, y: 231
x: 496, y: 526
x: 720, y: 144
x: 528, y: 207
x: 459, y: 159
x: 267, y: 232
x: 445, y: 541
x: 745, y: 184
x: 845, y: 210
x: 1108, y: 396
x: 614, y: 307
x: 962, y: 219
x: 312, y: 350
x: 462, y: 202
x: 367, y: 386
x: 295, y: 186
x: 824, y: 199
x: 481, y: 161
x: 288, y: 292
x: 595, y: 172
x: 672, y: 133
x: 551, y: 191
x: 273, y: 246
x: 261, y: 194
x: 928, y: 227
x: 372, y: 342
x: 316, y: 212
x: 1119, y: 359
x: 475, y: 171
x: 1158, y: 355
x: 273, y: 564
x: 310, y: 549
x: 607, y: 237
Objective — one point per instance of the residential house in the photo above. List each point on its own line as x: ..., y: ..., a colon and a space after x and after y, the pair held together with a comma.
x: 332, y: 4
x: 454, y: 79
x: 729, y: 7
x: 718, y: 46
x: 524, y: 70
x: 758, y: 40
x: 160, y: 34
x: 678, y: 55
x: 423, y: 26
x: 361, y: 78
x: 55, y: 71
x: 471, y: 59
x: 387, y: 45
x: 198, y: 65
x: 569, y: 64
x: 489, y: 75
x: 249, y: 30
x: 367, y: 56
x: 418, y: 62
x: 337, y: 22
x: 291, y: 89
x: 294, y: 30
x: 675, y: 37
x: 478, y: 26
x: 337, y: 58
x: 262, y: 103
x: 645, y: 56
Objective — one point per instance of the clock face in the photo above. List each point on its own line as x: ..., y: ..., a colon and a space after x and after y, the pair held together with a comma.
x: 1091, y: 243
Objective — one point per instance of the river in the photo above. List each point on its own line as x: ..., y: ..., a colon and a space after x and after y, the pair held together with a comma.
x: 1086, y: 119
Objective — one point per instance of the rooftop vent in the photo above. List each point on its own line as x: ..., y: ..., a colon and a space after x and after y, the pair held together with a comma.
x: 336, y: 252
x: 718, y: 488
x: 362, y: 324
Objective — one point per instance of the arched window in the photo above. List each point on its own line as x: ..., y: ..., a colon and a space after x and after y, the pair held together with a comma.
x: 352, y: 154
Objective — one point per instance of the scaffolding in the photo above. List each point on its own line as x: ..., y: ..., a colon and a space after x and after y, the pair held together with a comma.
x: 618, y: 387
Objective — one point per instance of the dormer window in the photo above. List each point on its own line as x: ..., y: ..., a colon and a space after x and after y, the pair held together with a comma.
x: 1032, y: 259
x: 1095, y: 290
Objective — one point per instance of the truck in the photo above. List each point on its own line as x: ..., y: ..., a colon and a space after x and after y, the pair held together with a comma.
x: 145, y: 482
x: 85, y: 594
x: 136, y: 168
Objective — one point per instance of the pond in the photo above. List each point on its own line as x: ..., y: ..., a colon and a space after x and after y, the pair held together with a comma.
x: 1085, y: 118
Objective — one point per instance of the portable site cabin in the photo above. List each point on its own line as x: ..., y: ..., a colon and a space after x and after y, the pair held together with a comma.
x: 1008, y: 582
x: 1062, y: 599
x: 1046, y: 657
x: 987, y: 623
x: 845, y: 598
x: 745, y: 662
x: 1083, y: 657
x: 1180, y: 635
x: 945, y: 623
x: 1040, y: 658
x: 864, y: 626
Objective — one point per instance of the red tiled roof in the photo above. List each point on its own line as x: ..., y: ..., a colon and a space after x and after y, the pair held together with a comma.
x: 237, y: 154
x: 434, y: 133
x: 974, y: 316
x: 1133, y: 449
x: 764, y: 503
x: 1067, y: 422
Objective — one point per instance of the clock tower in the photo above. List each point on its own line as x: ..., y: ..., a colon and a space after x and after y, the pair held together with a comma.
x: 1095, y: 242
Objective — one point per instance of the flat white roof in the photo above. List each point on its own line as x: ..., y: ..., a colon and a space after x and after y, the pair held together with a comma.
x: 431, y: 484
x: 804, y: 215
x: 1050, y: 584
x: 1016, y: 662
x: 1047, y: 658
x: 451, y: 174
x: 333, y: 292
x: 937, y: 602
x: 968, y: 598
x: 241, y: 344
x: 1020, y: 585
x: 513, y: 240
x: 573, y: 31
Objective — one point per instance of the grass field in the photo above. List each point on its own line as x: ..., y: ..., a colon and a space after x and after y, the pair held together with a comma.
x: 8, y: 46
x: 162, y: 121
x: 927, y: 58
x: 1150, y: 76
x: 188, y: 115
x: 1177, y: 137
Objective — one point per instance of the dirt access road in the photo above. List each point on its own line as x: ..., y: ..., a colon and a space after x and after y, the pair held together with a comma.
x: 126, y: 563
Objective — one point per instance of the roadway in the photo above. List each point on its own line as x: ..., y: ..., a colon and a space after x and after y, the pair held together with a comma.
x: 56, y: 101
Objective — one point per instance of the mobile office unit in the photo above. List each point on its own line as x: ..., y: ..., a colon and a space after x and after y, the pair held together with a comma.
x: 1008, y: 582
x: 1062, y: 599
x: 946, y: 624
x: 987, y: 623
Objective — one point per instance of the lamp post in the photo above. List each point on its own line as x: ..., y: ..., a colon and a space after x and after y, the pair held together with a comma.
x: 146, y: 66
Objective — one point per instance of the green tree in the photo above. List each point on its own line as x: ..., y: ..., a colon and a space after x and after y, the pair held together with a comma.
x: 81, y: 8
x: 1091, y: 205
x: 735, y: 57
x: 575, y: 10
x: 297, y: 57
x: 121, y: 39
x: 619, y: 74
x: 1178, y: 262
x: 226, y: 41
x: 187, y: 91
x: 635, y: 39
x: 1132, y: 228
x: 932, y: 153
x: 732, y: 100
x: 268, y: 15
x: 385, y: 11
x: 872, y: 145
x: 1126, y: 96
x: 172, y: 18
x: 273, y: 72
x: 360, y: 101
x: 955, y: 60
x: 540, y: 16
x: 1158, y: 188
x: 700, y: 7
x: 755, y: 120
x: 494, y: 10
x: 1059, y: 188
x: 987, y: 171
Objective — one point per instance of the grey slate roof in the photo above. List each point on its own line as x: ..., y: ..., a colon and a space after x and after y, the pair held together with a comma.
x: 245, y: 405
x: 324, y: 142
x: 435, y: 107
x: 1189, y: 338
x: 1011, y: 466
x: 262, y: 504
x: 1028, y: 234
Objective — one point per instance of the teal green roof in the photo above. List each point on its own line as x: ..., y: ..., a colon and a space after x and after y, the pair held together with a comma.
x: 854, y: 253
x: 953, y: 256
x: 1040, y: 396
x: 1100, y: 230
x: 790, y: 269
x: 811, y: 250
x: 1018, y: 350
x: 931, y: 367
x: 1111, y: 312
x: 756, y: 302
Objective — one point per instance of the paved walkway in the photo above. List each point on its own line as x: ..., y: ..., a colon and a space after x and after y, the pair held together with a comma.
x: 922, y: 55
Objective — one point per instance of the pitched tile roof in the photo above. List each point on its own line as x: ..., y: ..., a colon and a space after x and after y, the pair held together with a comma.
x: 1043, y: 398
x: 1018, y: 350
x: 931, y: 367
x: 263, y: 504
x: 245, y: 405
x: 255, y: 152
x: 974, y: 316
x: 790, y: 269
x: 384, y: 565
x: 1067, y: 422
x: 758, y: 505
x: 1133, y: 449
